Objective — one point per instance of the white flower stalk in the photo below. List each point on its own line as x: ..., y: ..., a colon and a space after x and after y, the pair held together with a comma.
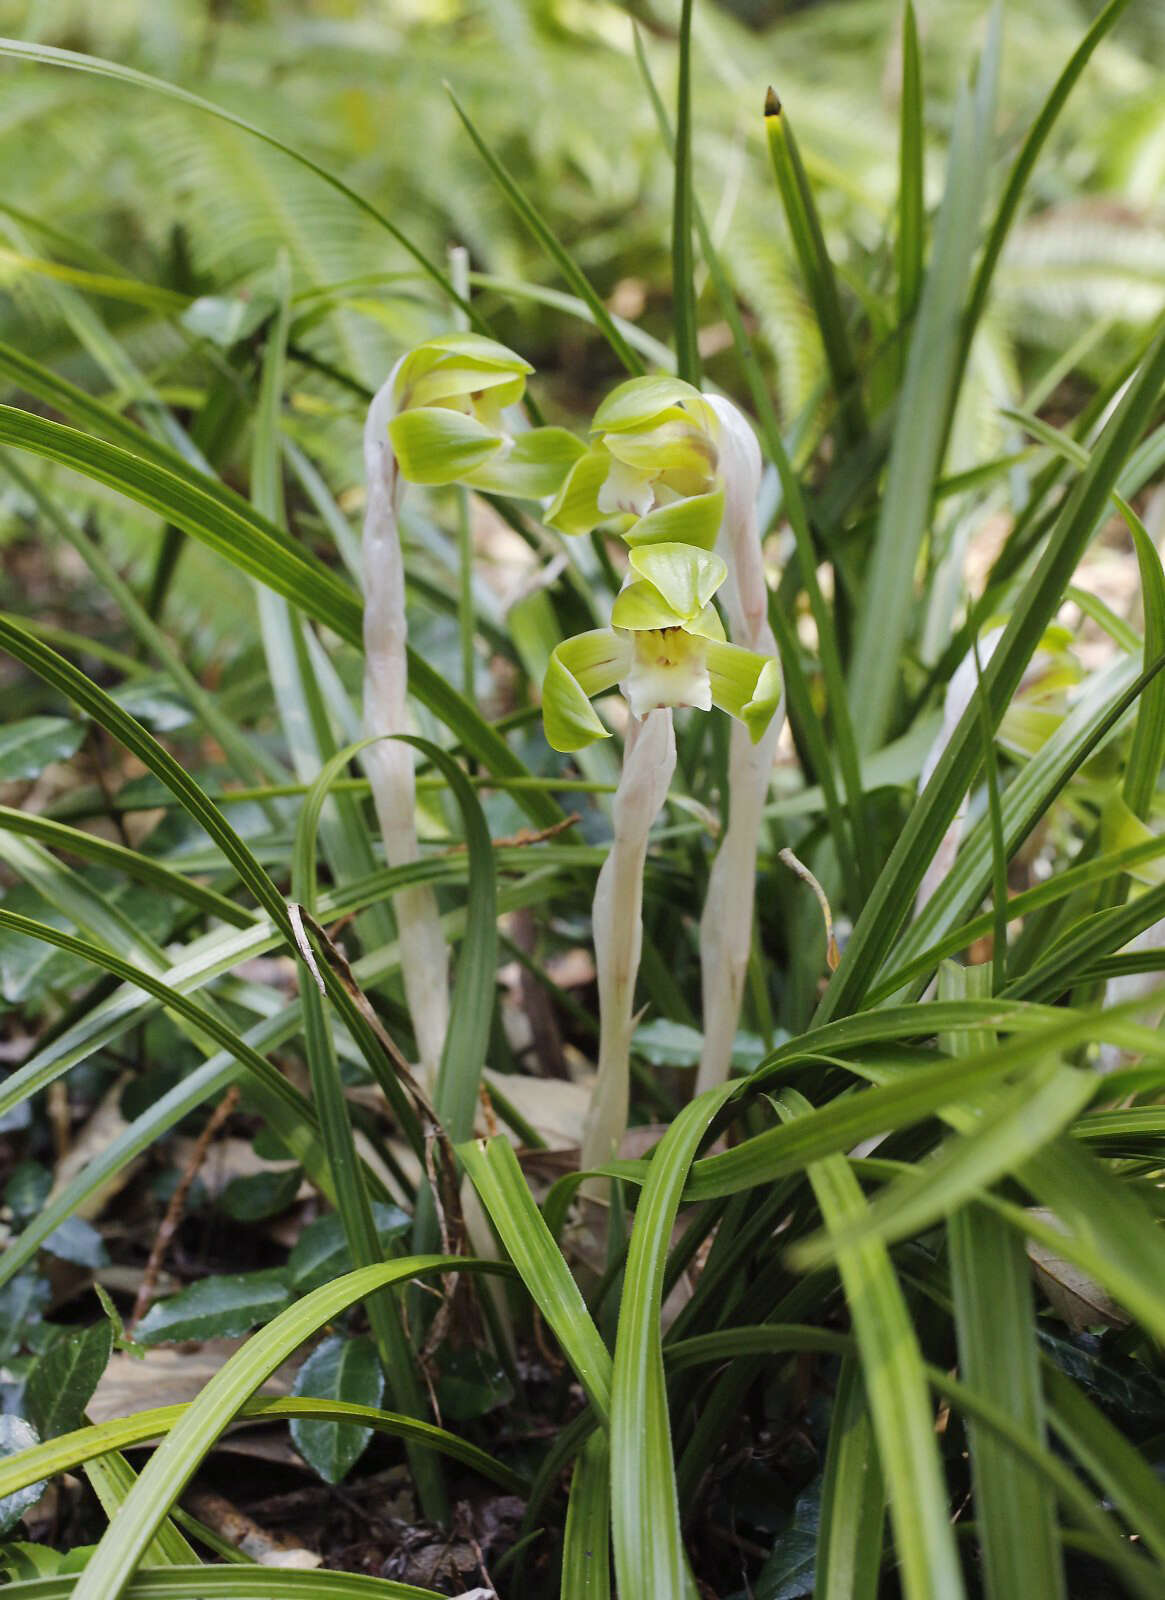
x: 388, y: 763
x: 438, y: 419
x: 726, y: 922
x: 649, y: 761
x: 664, y: 465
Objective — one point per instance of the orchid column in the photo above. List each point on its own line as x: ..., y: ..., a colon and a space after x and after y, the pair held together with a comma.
x: 438, y: 419
x: 655, y: 464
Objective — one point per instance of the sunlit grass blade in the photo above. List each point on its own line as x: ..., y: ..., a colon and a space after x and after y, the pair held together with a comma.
x: 586, y: 1550
x: 1014, y: 1125
x: 541, y: 231
x: 895, y: 1383
x: 991, y: 1279
x: 177, y: 1458
x: 1115, y: 1465
x: 235, y: 1583
x: 815, y: 263
x: 233, y: 529
x: 1147, y: 753
x: 918, y: 442
x: 471, y: 1014
x: 889, y: 903
x: 683, y: 267
x: 1021, y: 171
x: 853, y: 1499
x: 134, y: 864
x: 351, y: 1192
x: 111, y: 1478
x: 649, y: 1551
x: 995, y: 1319
x: 494, y: 1171
x: 911, y: 215
x: 69, y: 1450
x: 283, y: 1105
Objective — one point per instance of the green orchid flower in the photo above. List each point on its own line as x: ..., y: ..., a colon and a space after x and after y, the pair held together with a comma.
x: 653, y: 468
x: 665, y: 646
x: 450, y: 397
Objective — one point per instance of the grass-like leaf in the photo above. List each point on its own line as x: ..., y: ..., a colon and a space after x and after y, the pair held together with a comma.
x: 69, y: 1450
x: 176, y: 1459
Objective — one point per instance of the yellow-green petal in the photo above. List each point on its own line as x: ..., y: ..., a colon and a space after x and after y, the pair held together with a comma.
x: 575, y: 508
x: 434, y: 445
x: 686, y: 576
x: 745, y: 683
x: 580, y: 667
x: 694, y: 521
x: 672, y: 447
x: 640, y: 607
x: 534, y: 468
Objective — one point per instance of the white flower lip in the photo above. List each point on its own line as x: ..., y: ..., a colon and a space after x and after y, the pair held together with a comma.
x: 669, y: 668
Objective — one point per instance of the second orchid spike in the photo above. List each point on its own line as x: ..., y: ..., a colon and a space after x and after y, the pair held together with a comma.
x: 389, y: 763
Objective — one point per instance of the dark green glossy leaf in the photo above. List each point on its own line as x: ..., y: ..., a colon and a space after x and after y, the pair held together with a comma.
x: 28, y: 746
x: 217, y: 1307
x: 339, y: 1369
x: 62, y: 1381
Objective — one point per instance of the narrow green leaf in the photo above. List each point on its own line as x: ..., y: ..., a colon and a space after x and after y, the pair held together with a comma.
x: 889, y: 903
x: 911, y: 215
x: 494, y: 1172
x: 1014, y: 1124
x: 683, y: 269
x: 895, y: 1382
x: 918, y: 443
x: 816, y: 266
x: 995, y: 1318
x: 177, y: 1458
x: 1148, y: 747
x: 649, y: 1552
x: 1020, y: 173
x: 344, y: 1165
x: 586, y: 1547
x: 234, y: 1583
x: 123, y: 1433
x: 566, y: 264
x: 472, y: 1007
x: 853, y: 1500
x: 133, y: 863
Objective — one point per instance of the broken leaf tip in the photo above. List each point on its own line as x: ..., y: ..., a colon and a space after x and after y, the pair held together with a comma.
x: 772, y: 102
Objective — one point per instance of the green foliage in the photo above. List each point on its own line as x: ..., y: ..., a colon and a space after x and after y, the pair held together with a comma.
x: 806, y: 1327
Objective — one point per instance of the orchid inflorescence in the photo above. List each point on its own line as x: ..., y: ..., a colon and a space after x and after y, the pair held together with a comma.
x: 653, y: 473
x: 674, y: 474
